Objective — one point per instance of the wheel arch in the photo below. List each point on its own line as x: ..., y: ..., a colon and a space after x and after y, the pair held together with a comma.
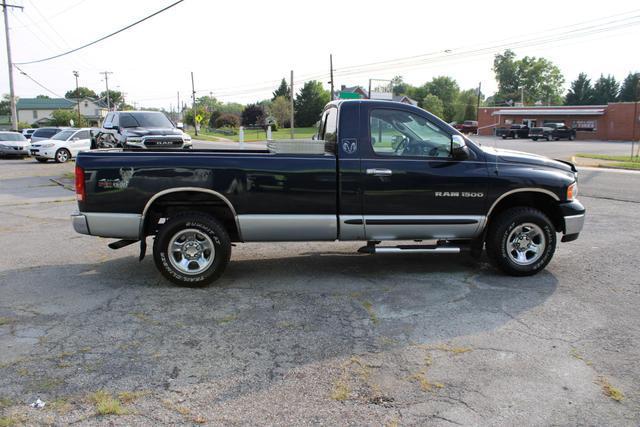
x: 166, y: 202
x: 538, y: 198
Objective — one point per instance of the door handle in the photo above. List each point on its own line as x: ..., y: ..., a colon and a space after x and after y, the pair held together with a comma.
x: 379, y: 172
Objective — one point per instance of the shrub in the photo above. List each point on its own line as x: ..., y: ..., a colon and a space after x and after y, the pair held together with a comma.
x: 227, y: 120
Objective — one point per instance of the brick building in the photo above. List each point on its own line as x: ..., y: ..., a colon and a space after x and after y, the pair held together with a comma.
x: 616, y: 121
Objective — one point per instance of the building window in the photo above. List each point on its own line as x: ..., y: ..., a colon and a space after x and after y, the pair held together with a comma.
x: 86, y: 104
x: 585, y: 125
x: 35, y: 114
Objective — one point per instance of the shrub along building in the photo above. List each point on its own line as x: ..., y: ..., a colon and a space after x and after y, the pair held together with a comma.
x: 618, y: 121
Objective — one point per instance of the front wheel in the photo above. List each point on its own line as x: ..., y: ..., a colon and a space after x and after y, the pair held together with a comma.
x: 535, y: 139
x: 521, y: 241
x: 62, y: 155
x: 192, y: 249
x: 42, y: 159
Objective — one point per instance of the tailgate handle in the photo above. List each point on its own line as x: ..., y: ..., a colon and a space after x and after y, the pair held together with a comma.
x: 379, y: 172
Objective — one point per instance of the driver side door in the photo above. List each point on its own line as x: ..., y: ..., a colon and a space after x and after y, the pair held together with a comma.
x: 412, y: 187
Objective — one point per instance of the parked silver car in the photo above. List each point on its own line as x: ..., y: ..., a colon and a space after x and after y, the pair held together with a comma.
x: 13, y: 144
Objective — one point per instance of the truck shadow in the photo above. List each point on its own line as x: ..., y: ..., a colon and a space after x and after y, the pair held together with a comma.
x: 119, y: 323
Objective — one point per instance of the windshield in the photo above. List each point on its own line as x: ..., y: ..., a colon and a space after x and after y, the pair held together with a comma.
x: 144, y: 120
x: 10, y: 136
x: 64, y: 135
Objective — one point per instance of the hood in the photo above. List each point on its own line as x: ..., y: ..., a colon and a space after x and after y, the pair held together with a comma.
x: 153, y: 131
x: 521, y: 157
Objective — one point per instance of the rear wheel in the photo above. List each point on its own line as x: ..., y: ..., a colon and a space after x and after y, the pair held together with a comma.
x: 535, y: 139
x: 62, y: 155
x: 192, y: 249
x: 521, y: 241
x: 571, y: 137
x: 42, y: 159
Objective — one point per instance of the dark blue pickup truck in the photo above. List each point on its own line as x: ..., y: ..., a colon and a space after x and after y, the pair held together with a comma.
x: 386, y: 172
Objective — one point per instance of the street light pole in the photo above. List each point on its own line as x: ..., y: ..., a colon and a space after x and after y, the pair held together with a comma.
x: 76, y: 74
x: 12, y: 94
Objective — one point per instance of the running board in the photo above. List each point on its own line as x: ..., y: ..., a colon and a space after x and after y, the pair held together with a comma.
x: 414, y: 249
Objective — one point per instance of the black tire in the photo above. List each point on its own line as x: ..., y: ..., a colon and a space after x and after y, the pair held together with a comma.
x: 547, y: 138
x: 204, y: 225
x: 62, y: 155
x: 42, y: 159
x: 571, y: 137
x: 535, y: 139
x: 501, y: 228
x: 504, y: 136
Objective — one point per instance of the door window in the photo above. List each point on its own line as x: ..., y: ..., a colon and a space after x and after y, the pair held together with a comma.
x: 83, y: 134
x: 400, y: 133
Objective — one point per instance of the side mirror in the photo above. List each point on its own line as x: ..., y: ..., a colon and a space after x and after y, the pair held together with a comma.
x: 459, y: 150
x: 180, y: 125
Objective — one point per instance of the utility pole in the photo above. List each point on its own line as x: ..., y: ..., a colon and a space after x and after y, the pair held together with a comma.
x: 193, y: 94
x: 12, y: 94
x: 522, y: 96
x: 292, y: 92
x: 76, y: 74
x: 179, y: 109
x: 106, y: 81
x: 369, y: 94
x: 331, y: 73
x: 478, y: 105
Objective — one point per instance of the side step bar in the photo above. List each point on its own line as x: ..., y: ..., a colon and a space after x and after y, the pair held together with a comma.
x: 371, y: 248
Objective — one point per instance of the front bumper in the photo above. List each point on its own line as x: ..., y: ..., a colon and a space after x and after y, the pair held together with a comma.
x: 573, y: 216
x: 43, y: 153
x: 13, y: 152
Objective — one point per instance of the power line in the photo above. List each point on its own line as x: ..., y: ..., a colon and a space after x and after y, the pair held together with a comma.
x: 51, y: 16
x: 102, y: 38
x: 36, y: 82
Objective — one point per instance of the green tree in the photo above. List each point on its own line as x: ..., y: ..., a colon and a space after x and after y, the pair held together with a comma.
x: 433, y: 104
x: 64, y: 117
x: 309, y: 103
x: 202, y: 111
x: 227, y: 120
x: 5, y: 105
x: 43, y: 97
x: 281, y: 110
x: 447, y: 90
x: 231, y: 108
x: 605, y: 90
x: 466, y: 105
x: 81, y: 92
x: 580, y: 92
x: 283, y: 90
x: 630, y: 90
x: 399, y: 87
x: 252, y: 115
x: 115, y: 98
x: 537, y: 78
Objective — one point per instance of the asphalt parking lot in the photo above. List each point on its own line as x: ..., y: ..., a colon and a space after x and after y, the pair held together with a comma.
x: 310, y: 333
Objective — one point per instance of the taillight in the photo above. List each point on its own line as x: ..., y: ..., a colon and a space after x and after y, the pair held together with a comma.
x: 80, y: 190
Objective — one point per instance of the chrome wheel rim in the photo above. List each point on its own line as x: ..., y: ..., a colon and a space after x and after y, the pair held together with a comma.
x: 191, y: 251
x: 62, y: 156
x: 526, y: 244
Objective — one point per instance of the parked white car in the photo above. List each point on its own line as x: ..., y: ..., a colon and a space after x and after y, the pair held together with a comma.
x: 62, y: 146
x: 13, y: 144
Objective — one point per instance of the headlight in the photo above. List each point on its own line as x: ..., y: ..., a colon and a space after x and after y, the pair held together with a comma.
x: 47, y: 145
x: 572, y: 191
x: 186, y: 138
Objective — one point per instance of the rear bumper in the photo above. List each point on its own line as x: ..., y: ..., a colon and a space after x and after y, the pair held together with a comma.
x: 114, y: 225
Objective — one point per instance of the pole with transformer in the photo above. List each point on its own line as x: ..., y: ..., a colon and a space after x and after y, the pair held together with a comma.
x: 12, y: 94
x: 193, y: 94
x: 331, y: 73
x: 76, y: 74
x: 106, y: 81
x: 292, y: 135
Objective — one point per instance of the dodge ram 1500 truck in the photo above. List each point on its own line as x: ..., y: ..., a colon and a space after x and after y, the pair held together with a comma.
x: 386, y: 172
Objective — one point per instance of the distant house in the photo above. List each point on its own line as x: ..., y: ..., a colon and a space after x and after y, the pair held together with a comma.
x: 404, y: 99
x: 37, y: 111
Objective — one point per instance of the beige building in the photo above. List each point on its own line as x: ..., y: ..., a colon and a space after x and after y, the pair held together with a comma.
x: 38, y: 110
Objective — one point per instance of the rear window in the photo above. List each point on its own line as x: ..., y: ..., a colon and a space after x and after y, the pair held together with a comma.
x: 45, y: 133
